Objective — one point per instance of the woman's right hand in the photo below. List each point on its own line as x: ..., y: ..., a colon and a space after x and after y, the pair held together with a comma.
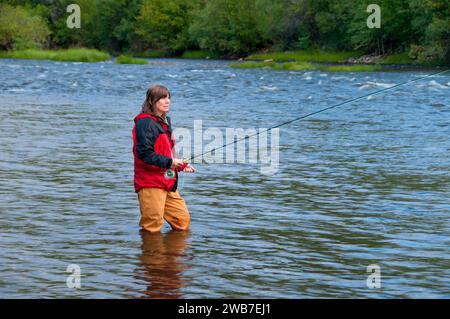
x: 176, y: 162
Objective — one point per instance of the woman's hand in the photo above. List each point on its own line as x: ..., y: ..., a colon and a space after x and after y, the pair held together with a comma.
x: 176, y: 163
x: 189, y: 169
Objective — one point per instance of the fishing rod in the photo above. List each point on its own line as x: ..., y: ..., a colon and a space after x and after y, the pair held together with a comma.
x: 320, y: 111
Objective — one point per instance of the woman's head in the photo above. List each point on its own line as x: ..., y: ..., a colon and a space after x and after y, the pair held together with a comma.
x: 157, y: 101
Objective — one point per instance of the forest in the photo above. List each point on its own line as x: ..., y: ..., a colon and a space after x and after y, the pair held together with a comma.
x: 230, y: 28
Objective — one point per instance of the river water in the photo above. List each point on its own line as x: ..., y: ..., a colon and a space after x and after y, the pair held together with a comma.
x: 364, y: 184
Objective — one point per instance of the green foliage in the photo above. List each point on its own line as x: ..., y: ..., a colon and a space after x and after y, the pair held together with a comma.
x: 163, y: 24
x: 80, y: 55
x: 395, y: 31
x: 270, y: 22
x: 295, y: 66
x: 19, y: 29
x: 227, y: 27
x: 198, y: 54
x: 115, y: 25
x: 305, y: 66
x: 306, y: 56
x: 71, y: 55
x: 350, y: 68
x: 127, y: 59
x: 230, y: 28
x: 400, y: 58
x: 29, y: 54
x: 251, y: 65
x: 65, y: 37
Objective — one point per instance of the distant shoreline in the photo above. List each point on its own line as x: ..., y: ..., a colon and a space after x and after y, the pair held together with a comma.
x: 287, y: 60
x: 331, y: 61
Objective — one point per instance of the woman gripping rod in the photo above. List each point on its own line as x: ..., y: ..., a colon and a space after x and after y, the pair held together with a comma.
x: 156, y: 166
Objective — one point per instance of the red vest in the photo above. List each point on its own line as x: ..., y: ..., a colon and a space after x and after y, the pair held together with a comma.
x: 146, y: 175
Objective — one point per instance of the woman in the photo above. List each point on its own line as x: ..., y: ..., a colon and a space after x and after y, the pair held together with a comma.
x: 156, y: 166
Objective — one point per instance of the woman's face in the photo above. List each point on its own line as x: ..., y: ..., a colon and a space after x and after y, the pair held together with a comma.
x: 163, y: 105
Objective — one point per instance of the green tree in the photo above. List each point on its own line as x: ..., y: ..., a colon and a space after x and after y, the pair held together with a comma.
x: 84, y: 36
x: 437, y: 34
x: 271, y: 23
x: 395, y: 29
x: 231, y: 27
x: 114, y: 24
x: 227, y: 26
x: 163, y: 24
x: 19, y: 29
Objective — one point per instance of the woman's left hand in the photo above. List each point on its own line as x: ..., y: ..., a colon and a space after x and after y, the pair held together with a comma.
x: 189, y: 169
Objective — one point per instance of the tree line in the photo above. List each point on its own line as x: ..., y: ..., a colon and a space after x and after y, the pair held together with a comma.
x: 230, y: 28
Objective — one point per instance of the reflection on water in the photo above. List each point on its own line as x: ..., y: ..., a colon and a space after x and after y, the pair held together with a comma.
x: 161, y: 264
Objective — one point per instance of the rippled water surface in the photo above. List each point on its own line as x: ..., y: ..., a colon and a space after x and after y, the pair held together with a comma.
x: 367, y: 183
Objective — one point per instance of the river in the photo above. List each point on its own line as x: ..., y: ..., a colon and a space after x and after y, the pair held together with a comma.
x: 363, y: 185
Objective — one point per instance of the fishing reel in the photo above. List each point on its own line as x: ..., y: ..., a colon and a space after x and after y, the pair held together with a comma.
x: 170, y: 173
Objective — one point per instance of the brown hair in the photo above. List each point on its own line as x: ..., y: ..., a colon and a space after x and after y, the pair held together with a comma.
x: 154, y: 94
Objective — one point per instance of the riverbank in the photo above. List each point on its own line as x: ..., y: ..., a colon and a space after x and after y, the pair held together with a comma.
x: 127, y: 59
x: 190, y: 54
x: 329, y: 61
x: 68, y: 55
x: 288, y: 60
x: 306, y: 66
x: 93, y: 55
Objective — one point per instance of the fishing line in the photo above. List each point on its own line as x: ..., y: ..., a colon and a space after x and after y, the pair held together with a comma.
x: 320, y: 111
